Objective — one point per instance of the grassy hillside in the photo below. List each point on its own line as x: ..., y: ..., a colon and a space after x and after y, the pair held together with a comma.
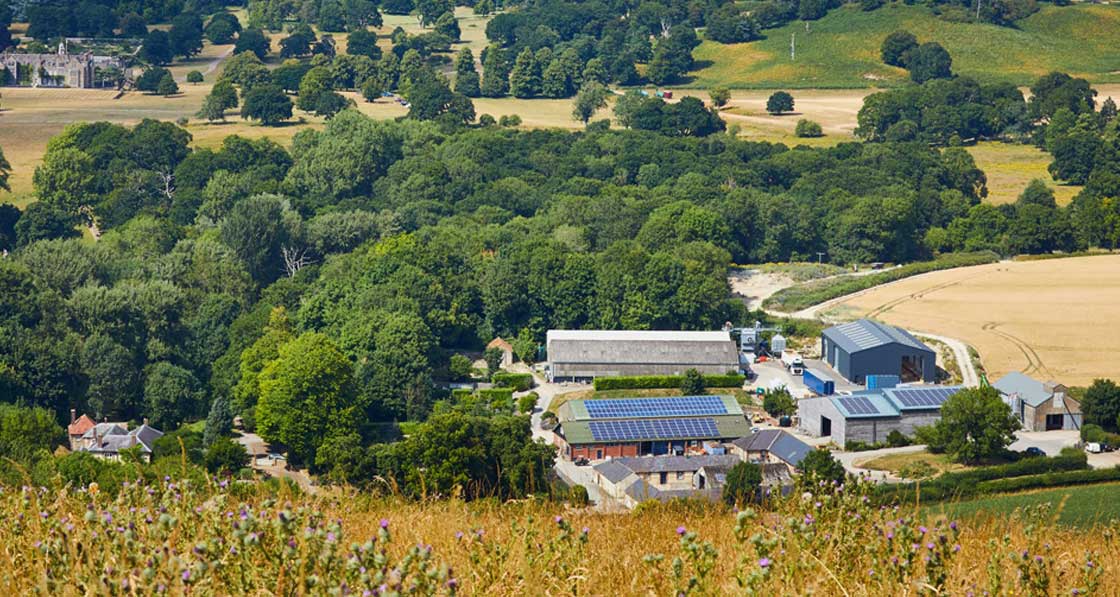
x: 1076, y: 506
x: 842, y: 49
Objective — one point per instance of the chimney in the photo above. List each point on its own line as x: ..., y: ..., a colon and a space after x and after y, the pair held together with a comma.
x: 73, y: 416
x: 145, y: 421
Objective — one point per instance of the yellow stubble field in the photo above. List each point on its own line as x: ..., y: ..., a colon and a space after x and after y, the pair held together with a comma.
x: 1051, y: 319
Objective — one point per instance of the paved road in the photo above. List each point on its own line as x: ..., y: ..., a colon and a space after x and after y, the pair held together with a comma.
x: 256, y: 446
x: 213, y: 64
x: 851, y: 461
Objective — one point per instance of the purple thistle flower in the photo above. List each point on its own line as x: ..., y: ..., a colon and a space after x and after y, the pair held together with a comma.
x: 922, y: 530
x: 956, y: 548
x: 953, y: 525
x: 559, y: 519
x: 681, y: 530
x: 1038, y: 559
x: 186, y: 575
x: 764, y: 563
x: 458, y: 534
x: 929, y: 546
x: 385, y: 523
x: 586, y: 530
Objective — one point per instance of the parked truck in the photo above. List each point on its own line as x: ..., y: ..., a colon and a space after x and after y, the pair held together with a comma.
x: 793, y: 362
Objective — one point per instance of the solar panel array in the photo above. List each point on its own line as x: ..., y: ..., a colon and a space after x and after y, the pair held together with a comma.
x: 923, y: 397
x: 858, y: 405
x: 676, y: 406
x: 612, y: 431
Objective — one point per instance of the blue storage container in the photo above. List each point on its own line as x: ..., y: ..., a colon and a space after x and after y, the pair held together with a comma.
x: 818, y: 381
x: 882, y: 382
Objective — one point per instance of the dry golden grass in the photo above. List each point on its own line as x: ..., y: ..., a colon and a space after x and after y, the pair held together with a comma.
x: 1052, y: 319
x: 895, y: 462
x: 1010, y: 168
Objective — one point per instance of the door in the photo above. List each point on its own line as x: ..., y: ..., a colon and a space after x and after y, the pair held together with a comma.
x: 826, y: 426
x: 599, y: 454
x: 1054, y: 422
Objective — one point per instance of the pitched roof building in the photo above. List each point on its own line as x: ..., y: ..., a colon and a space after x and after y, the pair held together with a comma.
x: 772, y: 446
x: 870, y: 415
x: 587, y: 354
x: 106, y: 440
x: 1040, y: 406
x: 865, y: 347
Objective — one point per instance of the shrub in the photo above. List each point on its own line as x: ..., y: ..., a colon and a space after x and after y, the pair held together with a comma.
x: 653, y: 382
x: 896, y: 439
x: 1054, y: 479
x: 577, y: 496
x: 194, y: 77
x: 510, y: 120
x: 801, y: 296
x: 526, y: 403
x: 692, y: 383
x: 520, y: 382
x: 808, y: 128
x: 499, y: 399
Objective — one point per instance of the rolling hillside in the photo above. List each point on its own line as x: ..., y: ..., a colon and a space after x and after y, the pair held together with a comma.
x: 842, y: 49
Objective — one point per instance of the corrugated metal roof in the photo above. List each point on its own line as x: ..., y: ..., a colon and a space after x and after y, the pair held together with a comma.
x: 628, y: 347
x: 864, y: 405
x: 865, y: 334
x: 1029, y: 390
x: 639, y: 335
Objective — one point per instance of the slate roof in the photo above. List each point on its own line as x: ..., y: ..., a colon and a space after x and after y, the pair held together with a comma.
x: 1029, y: 390
x: 673, y: 464
x: 105, y: 429
x: 113, y: 437
x: 777, y: 442
x: 613, y: 470
x: 865, y: 334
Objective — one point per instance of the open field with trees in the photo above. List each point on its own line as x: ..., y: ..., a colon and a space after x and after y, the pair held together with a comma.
x: 1051, y: 319
x: 841, y: 50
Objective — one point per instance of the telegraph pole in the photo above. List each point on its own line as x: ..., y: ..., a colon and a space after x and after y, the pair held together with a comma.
x: 792, y: 47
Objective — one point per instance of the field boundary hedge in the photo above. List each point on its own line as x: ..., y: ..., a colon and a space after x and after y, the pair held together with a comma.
x: 520, y: 382
x: 1029, y: 472
x: 654, y: 382
x: 806, y: 295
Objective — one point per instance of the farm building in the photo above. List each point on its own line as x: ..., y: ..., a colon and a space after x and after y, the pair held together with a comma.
x: 624, y: 427
x: 771, y: 446
x: 106, y: 440
x: 506, y: 348
x: 1040, y: 406
x: 866, y: 347
x: 580, y: 355
x: 870, y: 415
x: 631, y: 481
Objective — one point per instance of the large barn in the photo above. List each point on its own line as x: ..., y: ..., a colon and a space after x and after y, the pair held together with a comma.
x: 866, y: 347
x: 870, y: 415
x: 582, y: 355
x: 678, y: 425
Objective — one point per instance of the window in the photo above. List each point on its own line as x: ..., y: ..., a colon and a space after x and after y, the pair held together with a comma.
x: 680, y: 475
x: 664, y: 478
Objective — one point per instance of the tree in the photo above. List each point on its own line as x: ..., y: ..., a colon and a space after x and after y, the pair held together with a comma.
x: 5, y: 171
x: 459, y: 367
x: 211, y: 109
x: 692, y: 383
x: 41, y: 221
x: 1055, y: 91
x: 466, y: 75
x: 493, y: 357
x: 255, y: 230
x: 1037, y: 193
x: 929, y: 61
x: 156, y: 48
x: 219, y: 422
x: 221, y: 28
x: 975, y: 425
x: 64, y: 179
x: 672, y: 57
x: 591, y: 98
x: 298, y: 43
x: 720, y: 96
x: 897, y: 47
x: 779, y: 102
x: 808, y: 128
x: 307, y: 395
x: 133, y: 25
x: 779, y: 403
x: 331, y: 103
x: 495, y: 73
x: 525, y: 78
x: 26, y: 431
x: 811, y: 10
x: 225, y: 456
x: 252, y: 40
x: 194, y: 77
x: 728, y: 26
x: 448, y: 26
x: 167, y: 86
x: 185, y: 35
x: 819, y: 465
x: 363, y: 42
x: 1101, y: 404
x: 171, y: 394
x: 431, y: 10
x: 246, y: 71
x: 268, y: 104
x: 149, y: 80
x: 743, y: 484
x: 316, y: 82
x: 113, y: 378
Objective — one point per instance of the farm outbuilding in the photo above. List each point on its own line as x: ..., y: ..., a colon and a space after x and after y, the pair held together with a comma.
x: 870, y: 415
x: 1039, y: 406
x: 582, y: 355
x: 864, y: 347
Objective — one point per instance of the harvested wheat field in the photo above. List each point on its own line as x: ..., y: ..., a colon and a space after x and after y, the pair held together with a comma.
x: 1052, y: 319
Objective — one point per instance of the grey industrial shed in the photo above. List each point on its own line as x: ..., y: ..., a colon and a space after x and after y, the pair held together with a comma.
x: 866, y: 347
x: 587, y: 354
x: 871, y: 415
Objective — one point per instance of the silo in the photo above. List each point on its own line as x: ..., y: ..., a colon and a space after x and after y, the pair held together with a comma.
x: 777, y: 344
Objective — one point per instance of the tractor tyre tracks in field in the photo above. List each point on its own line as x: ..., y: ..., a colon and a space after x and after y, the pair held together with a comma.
x: 1034, y: 362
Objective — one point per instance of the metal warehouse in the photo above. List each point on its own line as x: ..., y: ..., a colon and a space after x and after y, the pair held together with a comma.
x: 586, y: 354
x: 866, y: 347
x: 678, y: 425
x: 869, y: 416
